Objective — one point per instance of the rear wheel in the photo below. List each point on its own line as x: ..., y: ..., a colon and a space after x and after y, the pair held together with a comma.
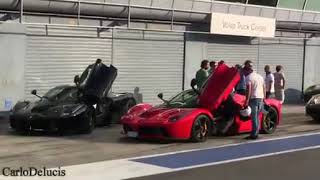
x: 129, y: 104
x: 200, y: 129
x: 124, y: 108
x: 88, y: 122
x: 270, y: 121
x: 316, y: 118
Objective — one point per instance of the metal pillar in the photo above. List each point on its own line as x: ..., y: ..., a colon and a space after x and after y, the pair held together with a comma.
x: 21, y: 11
x: 79, y: 12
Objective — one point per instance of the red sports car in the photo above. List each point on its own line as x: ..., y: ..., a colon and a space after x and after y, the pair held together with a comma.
x: 194, y: 114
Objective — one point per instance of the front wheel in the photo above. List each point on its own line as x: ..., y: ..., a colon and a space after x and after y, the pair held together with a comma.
x: 88, y: 122
x: 200, y: 129
x: 21, y: 127
x: 270, y: 121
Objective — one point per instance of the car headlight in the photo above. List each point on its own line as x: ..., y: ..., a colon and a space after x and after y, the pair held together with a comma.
x: 177, y: 117
x: 315, y: 100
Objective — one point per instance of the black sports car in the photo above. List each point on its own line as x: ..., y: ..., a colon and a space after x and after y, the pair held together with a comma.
x: 80, y: 107
x: 311, y: 91
x: 313, y: 107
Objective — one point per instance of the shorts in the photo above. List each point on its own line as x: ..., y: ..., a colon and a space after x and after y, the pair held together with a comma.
x: 279, y: 94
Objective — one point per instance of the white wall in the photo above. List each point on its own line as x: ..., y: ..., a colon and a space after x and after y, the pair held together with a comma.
x: 312, y: 64
x: 195, y: 53
x: 12, y: 54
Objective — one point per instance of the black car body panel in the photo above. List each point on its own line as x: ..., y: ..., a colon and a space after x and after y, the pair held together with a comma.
x: 67, y: 107
x: 98, y: 81
x: 313, y: 110
x: 311, y: 91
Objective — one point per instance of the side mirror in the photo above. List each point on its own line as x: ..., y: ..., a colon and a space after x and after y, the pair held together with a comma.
x: 76, y: 79
x: 160, y: 96
x: 34, y: 92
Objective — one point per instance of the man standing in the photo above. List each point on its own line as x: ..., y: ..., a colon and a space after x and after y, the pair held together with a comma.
x: 279, y: 83
x: 212, y: 67
x: 255, y: 92
x: 202, y: 74
x: 269, y: 81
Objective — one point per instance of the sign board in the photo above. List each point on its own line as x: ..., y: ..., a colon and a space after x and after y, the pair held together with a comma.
x: 237, y: 25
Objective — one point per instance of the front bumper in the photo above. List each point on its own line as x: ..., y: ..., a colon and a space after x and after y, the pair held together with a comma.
x: 179, y: 130
x: 43, y: 122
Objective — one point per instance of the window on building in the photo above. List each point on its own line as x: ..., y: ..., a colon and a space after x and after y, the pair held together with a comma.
x: 292, y: 4
x: 264, y: 2
x: 239, y: 1
x: 256, y: 2
x: 313, y: 5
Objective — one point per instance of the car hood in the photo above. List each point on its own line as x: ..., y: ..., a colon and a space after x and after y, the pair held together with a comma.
x: 315, y: 89
x: 218, y: 87
x: 163, y: 114
x: 45, y: 106
x: 98, y: 81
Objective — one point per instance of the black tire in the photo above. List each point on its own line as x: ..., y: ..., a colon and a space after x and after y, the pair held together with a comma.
x: 316, y: 118
x: 21, y: 127
x: 129, y: 104
x: 270, y: 121
x: 116, y: 116
x: 201, y: 129
x: 88, y: 121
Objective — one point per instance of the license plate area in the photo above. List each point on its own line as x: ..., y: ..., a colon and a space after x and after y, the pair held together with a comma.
x: 132, y: 134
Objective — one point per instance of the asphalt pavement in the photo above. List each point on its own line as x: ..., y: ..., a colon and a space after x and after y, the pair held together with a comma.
x: 289, y: 166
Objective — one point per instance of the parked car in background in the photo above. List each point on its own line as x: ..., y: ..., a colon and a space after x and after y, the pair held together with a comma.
x: 194, y: 115
x: 78, y: 107
x: 313, y: 107
x: 311, y: 91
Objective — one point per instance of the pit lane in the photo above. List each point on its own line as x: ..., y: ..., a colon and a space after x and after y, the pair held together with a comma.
x: 106, y: 143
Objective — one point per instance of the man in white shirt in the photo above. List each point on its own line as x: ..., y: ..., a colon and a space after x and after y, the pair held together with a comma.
x: 255, y: 93
x: 269, y: 81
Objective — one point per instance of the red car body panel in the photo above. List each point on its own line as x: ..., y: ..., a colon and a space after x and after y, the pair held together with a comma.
x: 158, y: 119
x: 176, y: 123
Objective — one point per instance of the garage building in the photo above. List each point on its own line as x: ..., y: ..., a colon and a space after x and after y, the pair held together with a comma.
x: 157, y: 45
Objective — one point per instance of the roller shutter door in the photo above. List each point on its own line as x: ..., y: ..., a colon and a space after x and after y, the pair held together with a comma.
x: 233, y: 52
x: 54, y: 57
x: 152, y: 61
x: 289, y: 54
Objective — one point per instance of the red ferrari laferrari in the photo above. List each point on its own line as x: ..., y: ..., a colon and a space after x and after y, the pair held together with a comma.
x: 195, y: 114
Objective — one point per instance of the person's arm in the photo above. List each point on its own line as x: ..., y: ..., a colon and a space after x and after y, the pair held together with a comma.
x: 269, y: 87
x: 271, y: 82
x: 264, y: 91
x: 283, y: 80
x: 248, y: 93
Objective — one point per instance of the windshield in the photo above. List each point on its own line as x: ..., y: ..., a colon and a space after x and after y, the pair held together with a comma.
x: 185, y: 99
x: 62, y: 94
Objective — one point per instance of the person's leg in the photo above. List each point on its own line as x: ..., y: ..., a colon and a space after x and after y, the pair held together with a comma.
x: 277, y: 95
x: 268, y: 94
x: 282, y: 96
x: 260, y: 106
x: 254, y: 116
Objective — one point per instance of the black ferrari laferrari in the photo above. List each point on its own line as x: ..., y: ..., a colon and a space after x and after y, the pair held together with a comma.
x: 311, y: 91
x: 80, y: 107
